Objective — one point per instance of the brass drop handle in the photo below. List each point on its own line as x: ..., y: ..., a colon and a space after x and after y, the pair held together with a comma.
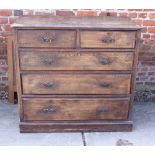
x: 48, y: 85
x: 48, y: 39
x: 48, y: 61
x: 108, y: 39
x: 105, y: 85
x: 49, y: 109
x: 105, y: 61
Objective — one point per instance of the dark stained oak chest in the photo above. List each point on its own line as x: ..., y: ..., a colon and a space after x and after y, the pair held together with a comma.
x: 75, y: 73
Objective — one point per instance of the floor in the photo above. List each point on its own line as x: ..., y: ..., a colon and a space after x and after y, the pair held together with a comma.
x: 143, y: 133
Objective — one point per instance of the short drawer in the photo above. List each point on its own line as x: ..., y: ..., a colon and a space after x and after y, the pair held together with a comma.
x: 48, y: 109
x: 74, y: 83
x: 49, y: 60
x: 107, y: 39
x: 47, y: 38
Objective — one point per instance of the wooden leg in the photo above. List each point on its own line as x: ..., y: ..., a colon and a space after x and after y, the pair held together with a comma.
x: 10, y: 69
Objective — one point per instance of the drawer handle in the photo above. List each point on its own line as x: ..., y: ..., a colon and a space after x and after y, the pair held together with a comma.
x: 105, y: 61
x: 108, y: 39
x: 48, y: 85
x: 102, y: 110
x: 48, y: 39
x: 105, y: 85
x: 49, y: 109
x: 48, y: 61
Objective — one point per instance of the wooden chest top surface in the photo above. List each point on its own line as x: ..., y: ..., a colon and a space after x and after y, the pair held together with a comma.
x: 77, y: 22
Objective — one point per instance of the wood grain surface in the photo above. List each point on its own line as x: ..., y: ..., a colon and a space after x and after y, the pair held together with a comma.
x: 76, y: 83
x: 55, y: 60
x: 47, y: 38
x: 107, y: 39
x: 75, y: 109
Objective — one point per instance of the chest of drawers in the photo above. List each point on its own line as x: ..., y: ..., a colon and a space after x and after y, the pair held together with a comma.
x: 75, y: 73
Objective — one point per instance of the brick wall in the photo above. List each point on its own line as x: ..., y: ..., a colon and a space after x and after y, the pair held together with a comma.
x: 143, y: 17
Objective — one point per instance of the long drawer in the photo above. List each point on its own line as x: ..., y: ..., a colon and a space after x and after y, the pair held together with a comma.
x: 36, y: 59
x: 74, y: 83
x: 48, y: 109
x: 108, y: 39
x: 47, y: 38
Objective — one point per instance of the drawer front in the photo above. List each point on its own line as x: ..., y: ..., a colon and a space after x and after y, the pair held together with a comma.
x: 48, y: 60
x: 47, y: 38
x: 107, y: 39
x: 76, y: 83
x: 36, y: 109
